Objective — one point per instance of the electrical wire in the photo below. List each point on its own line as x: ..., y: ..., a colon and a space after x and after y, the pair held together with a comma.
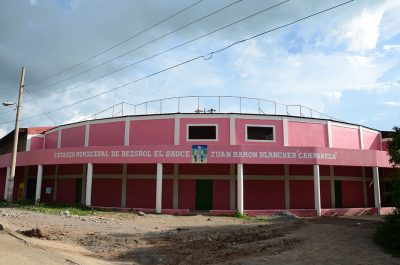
x: 165, y: 51
x: 205, y: 57
x: 140, y: 46
x: 114, y: 46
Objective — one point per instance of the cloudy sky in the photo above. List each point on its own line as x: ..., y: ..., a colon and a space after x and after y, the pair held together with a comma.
x: 345, y: 62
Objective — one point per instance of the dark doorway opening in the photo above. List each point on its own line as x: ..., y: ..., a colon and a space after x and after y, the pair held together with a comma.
x: 31, y: 190
x: 203, y: 194
x: 78, y: 190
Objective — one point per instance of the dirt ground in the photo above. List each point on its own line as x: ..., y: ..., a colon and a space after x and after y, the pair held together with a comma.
x: 127, y: 238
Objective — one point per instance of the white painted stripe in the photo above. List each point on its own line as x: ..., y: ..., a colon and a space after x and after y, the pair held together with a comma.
x: 360, y: 134
x: 127, y: 131
x: 87, y: 133
x: 329, y: 124
x: 59, y: 139
x: 232, y: 130
x: 177, y: 128
x: 285, y: 132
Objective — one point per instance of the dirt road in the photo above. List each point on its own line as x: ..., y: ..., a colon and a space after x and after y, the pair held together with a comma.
x: 126, y: 238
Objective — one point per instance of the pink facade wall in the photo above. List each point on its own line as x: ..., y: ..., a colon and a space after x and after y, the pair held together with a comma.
x: 240, y: 131
x: 307, y: 134
x: 223, y: 132
x: 66, y: 191
x: 141, y: 193
x: 264, y: 194
x: 152, y: 132
x: 205, y: 169
x: 3, y: 172
x: 167, y: 194
x: 107, y: 134
x: 325, y: 189
x: 346, y: 171
x: 47, y: 197
x: 74, y: 169
x: 51, y: 140
x: 221, y: 194
x: 187, y: 194
x: 343, y: 137
x: 371, y: 141
x: 301, y: 170
x: 265, y: 170
x: 49, y: 170
x: 73, y: 137
x: 107, y: 169
x: 37, y: 143
x: 106, y: 192
x: 352, y: 194
x: 149, y: 169
x: 301, y: 194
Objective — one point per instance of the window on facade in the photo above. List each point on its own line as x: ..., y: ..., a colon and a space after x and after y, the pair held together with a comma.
x: 259, y: 133
x: 202, y: 132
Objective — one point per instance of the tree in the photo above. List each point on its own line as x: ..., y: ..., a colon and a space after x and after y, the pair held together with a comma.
x: 394, y: 158
x: 388, y: 234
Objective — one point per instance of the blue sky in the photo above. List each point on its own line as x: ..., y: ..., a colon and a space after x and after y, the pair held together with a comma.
x: 345, y: 63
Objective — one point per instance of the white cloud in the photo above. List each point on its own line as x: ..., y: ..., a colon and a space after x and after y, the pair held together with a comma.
x: 362, y: 32
x: 391, y: 103
x: 3, y: 132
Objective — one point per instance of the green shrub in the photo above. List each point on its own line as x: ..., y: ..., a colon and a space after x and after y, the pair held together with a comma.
x: 388, y: 234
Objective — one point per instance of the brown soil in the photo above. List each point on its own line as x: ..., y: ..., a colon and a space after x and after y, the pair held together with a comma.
x: 162, y: 239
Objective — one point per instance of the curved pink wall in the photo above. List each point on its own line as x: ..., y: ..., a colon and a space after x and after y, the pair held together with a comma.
x: 107, y: 134
x: 36, y: 143
x: 307, y: 134
x: 371, y: 141
x: 51, y: 140
x: 343, y: 137
x: 152, y: 132
x: 240, y: 131
x: 72, y: 137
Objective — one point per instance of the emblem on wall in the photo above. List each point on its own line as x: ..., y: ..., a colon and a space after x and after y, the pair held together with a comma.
x: 199, y: 154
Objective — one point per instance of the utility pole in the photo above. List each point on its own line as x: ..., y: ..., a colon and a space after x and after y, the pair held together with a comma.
x: 15, y: 143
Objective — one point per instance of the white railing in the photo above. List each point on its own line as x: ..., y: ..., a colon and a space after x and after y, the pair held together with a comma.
x: 209, y: 104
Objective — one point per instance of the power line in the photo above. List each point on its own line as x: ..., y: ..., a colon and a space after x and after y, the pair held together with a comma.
x: 139, y: 47
x: 40, y: 108
x: 205, y: 57
x: 165, y: 51
x: 114, y: 46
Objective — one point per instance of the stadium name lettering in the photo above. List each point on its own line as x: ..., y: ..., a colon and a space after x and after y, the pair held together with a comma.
x: 272, y: 155
x: 130, y: 153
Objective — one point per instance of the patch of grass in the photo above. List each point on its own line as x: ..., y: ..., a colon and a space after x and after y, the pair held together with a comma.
x: 52, y: 208
x: 388, y: 234
x: 251, y: 218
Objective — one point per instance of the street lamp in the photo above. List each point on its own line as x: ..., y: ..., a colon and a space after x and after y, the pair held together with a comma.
x: 8, y: 103
x: 10, y: 183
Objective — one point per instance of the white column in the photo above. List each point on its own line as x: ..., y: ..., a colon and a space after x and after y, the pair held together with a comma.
x: 89, y: 179
x: 175, y: 199
x: 285, y: 132
x: 377, y: 192
x: 287, y: 187
x: 317, y: 190
x: 39, y: 182
x: 159, y: 188
x: 6, y: 183
x: 240, y: 205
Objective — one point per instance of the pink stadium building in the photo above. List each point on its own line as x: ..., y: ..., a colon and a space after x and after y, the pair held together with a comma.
x: 177, y: 162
